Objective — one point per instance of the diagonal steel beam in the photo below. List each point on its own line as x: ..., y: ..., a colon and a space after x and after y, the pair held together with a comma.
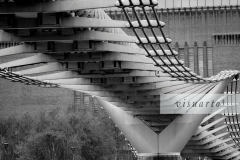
x: 69, y: 22
x: 23, y: 48
x: 56, y: 6
x: 79, y: 36
x: 134, y: 73
x: 55, y: 66
x: 39, y: 58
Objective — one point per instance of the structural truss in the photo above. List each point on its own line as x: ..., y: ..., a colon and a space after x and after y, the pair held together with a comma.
x: 74, y: 44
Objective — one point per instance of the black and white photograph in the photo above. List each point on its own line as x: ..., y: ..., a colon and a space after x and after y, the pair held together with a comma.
x: 119, y: 79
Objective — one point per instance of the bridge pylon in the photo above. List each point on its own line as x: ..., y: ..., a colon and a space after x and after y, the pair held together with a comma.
x: 170, y: 142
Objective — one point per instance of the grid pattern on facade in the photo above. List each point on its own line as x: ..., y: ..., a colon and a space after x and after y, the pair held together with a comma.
x: 187, y: 4
x: 195, y: 3
x: 226, y: 39
x: 200, y: 62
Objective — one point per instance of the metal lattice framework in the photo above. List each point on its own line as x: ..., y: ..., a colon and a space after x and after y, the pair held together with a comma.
x: 75, y: 45
x: 220, y: 138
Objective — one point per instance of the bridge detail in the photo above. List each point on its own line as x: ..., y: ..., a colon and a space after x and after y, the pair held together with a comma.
x: 74, y: 44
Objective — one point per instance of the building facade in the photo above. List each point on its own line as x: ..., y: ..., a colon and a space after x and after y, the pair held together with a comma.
x: 206, y: 36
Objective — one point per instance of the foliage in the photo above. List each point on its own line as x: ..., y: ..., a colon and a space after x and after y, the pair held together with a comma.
x: 60, y: 135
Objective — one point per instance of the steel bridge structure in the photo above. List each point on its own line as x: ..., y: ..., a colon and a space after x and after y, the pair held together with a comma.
x: 73, y: 44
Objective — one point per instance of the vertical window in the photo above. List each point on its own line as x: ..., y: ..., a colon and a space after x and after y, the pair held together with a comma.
x: 95, y: 102
x: 200, y: 61
x: 210, y: 61
x: 86, y: 100
x: 191, y: 58
x: 181, y: 53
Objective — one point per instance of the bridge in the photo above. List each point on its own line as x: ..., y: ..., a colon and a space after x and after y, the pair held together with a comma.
x: 76, y: 45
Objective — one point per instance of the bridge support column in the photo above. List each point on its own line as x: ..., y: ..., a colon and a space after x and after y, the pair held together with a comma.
x: 141, y: 137
x: 152, y: 146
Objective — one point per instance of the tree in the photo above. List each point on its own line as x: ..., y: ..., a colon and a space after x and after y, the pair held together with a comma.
x: 61, y: 135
